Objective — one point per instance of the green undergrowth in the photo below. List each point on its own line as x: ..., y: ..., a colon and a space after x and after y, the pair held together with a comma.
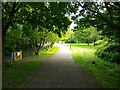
x: 109, y: 52
x: 106, y: 73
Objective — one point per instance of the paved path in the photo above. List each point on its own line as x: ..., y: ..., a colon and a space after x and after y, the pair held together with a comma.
x: 60, y: 72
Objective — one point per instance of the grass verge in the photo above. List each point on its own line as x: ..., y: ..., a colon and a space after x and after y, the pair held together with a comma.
x: 18, y: 72
x: 106, y: 73
x: 48, y: 53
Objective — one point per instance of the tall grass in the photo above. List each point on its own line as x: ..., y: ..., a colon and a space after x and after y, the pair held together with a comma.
x: 106, y: 73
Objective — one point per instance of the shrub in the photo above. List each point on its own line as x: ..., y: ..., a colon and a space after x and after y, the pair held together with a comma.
x: 99, y: 42
x: 109, y: 52
x: 115, y: 57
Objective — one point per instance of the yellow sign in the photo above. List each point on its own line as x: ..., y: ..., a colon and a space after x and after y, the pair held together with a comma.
x: 20, y: 55
x: 17, y: 56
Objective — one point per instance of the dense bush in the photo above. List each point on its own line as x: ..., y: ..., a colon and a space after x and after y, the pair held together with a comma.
x: 110, y: 52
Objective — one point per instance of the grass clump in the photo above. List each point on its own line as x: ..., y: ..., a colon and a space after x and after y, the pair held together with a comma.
x: 106, y: 73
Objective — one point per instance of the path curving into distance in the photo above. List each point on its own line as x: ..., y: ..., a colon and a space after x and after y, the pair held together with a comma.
x: 60, y: 72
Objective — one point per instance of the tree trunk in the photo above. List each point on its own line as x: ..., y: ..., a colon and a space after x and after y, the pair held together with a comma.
x: 48, y: 47
x: 94, y: 42
x: 88, y: 43
x: 36, y: 53
x: 52, y: 44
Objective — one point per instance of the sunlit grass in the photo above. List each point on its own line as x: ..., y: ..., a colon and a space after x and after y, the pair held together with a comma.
x: 47, y: 53
x: 85, y: 52
x: 106, y: 73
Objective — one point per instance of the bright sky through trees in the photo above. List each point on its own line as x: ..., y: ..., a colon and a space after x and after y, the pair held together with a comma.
x: 72, y: 25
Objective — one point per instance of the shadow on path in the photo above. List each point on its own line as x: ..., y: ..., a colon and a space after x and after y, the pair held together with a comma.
x: 60, y: 72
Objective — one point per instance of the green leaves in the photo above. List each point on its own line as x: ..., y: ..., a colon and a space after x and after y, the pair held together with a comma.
x: 12, y: 39
x: 87, y: 35
x: 44, y: 15
x: 41, y: 23
x: 104, y: 16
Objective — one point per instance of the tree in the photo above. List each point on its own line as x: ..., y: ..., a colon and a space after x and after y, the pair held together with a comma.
x: 66, y: 35
x: 13, y: 39
x: 51, y: 38
x: 103, y: 15
x: 9, y: 11
x: 95, y: 35
x: 17, y: 39
x: 49, y: 14
x: 34, y: 17
x: 87, y: 35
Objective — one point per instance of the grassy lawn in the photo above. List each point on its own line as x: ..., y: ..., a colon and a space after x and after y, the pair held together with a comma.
x: 106, y: 73
x: 17, y: 72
